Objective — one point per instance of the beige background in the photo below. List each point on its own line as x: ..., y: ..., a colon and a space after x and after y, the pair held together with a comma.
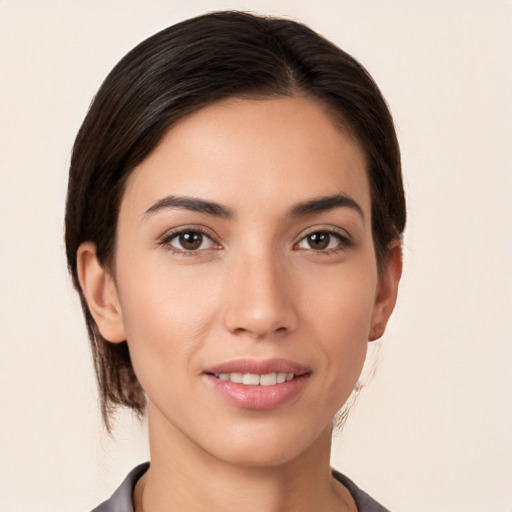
x: 433, y: 431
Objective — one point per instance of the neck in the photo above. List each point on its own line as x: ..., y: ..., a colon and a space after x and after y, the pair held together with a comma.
x: 182, y: 476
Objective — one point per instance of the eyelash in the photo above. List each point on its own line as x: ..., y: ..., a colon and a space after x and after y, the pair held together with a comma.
x: 344, y: 242
x: 166, y: 240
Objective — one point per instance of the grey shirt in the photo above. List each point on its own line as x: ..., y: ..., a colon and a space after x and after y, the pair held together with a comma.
x: 121, y: 500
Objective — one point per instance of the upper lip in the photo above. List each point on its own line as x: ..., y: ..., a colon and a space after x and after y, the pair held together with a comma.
x: 259, y: 367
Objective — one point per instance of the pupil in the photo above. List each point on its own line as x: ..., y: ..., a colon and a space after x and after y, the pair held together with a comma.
x: 318, y: 240
x: 191, y: 241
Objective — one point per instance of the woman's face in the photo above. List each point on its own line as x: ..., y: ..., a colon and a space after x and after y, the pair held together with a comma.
x: 245, y: 253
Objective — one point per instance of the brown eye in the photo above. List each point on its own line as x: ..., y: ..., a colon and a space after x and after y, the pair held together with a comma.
x: 324, y: 241
x: 318, y: 241
x: 189, y: 241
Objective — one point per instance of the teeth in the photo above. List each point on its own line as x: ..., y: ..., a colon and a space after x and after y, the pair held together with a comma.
x: 253, y: 379
x: 268, y: 380
x: 236, y: 377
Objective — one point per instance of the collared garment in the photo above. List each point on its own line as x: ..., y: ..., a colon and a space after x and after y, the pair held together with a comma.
x: 121, y: 500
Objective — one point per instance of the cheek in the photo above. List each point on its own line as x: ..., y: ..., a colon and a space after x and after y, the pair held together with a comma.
x: 341, y: 314
x: 343, y: 300
x: 166, y: 316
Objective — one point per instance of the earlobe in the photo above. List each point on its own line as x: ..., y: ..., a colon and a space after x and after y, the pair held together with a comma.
x: 387, y: 291
x: 100, y: 294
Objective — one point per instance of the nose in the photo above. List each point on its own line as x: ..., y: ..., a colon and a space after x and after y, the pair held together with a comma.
x: 259, y: 297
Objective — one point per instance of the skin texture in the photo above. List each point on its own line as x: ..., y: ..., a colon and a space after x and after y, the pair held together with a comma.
x: 255, y: 289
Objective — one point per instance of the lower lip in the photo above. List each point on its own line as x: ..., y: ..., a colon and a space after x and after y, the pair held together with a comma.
x: 259, y: 397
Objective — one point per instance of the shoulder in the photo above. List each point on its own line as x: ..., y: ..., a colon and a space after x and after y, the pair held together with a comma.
x: 121, y: 500
x: 364, y: 502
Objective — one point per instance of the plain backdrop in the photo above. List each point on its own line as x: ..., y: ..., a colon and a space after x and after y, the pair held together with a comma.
x: 433, y: 431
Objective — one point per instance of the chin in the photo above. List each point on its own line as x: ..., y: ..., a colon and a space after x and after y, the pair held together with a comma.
x: 265, y: 447
x: 256, y: 456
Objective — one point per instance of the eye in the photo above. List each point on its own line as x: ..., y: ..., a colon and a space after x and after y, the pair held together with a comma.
x: 190, y: 240
x: 324, y: 241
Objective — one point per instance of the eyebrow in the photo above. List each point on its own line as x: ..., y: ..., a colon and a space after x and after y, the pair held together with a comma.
x: 317, y: 205
x: 192, y: 204
x: 323, y: 204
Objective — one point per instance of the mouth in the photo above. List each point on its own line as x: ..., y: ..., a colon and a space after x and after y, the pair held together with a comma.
x: 252, y: 384
x: 254, y: 379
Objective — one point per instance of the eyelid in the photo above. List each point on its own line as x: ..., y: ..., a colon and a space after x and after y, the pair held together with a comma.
x: 170, y: 234
x: 344, y: 237
x: 325, y: 228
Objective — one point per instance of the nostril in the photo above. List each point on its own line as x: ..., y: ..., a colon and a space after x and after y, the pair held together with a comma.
x: 259, y: 331
x: 259, y: 302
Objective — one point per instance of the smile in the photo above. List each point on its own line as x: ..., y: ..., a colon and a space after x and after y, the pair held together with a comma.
x: 253, y: 384
x: 254, y: 379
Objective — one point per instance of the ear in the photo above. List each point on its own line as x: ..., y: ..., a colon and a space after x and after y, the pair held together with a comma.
x: 100, y: 293
x: 387, y: 290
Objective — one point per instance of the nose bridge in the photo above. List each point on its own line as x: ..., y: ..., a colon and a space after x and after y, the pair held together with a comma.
x: 258, y: 294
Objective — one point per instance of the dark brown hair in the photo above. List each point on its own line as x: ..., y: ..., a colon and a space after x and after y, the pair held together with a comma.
x: 180, y: 70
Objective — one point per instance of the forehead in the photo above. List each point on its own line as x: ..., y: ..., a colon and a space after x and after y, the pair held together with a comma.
x: 252, y: 153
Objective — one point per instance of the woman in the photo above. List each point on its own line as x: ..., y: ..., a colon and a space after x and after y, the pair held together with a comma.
x: 234, y: 215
